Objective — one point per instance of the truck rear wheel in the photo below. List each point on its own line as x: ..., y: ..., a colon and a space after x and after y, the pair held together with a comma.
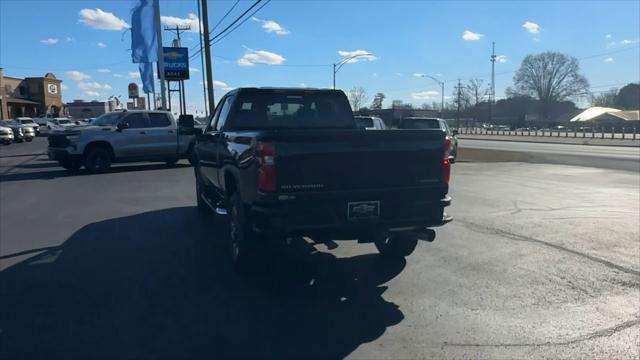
x: 241, y: 236
x: 98, y: 160
x: 395, y: 245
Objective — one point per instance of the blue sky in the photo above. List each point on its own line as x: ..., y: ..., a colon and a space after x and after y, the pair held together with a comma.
x: 87, y: 48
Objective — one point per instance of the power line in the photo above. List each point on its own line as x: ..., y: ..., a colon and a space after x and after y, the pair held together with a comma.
x: 223, y: 32
x: 219, y: 22
x: 237, y: 26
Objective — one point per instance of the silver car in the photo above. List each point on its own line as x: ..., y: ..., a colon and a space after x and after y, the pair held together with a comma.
x: 6, y: 135
x: 20, y: 132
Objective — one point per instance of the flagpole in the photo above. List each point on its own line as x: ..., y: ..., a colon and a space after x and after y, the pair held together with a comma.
x: 156, y: 5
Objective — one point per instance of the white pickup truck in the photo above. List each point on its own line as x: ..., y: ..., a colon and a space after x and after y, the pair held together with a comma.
x: 124, y: 136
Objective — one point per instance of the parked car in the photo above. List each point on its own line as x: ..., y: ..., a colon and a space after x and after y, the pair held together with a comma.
x: 29, y: 122
x: 433, y: 123
x: 42, y: 120
x: 20, y: 132
x: 59, y: 123
x: 370, y: 123
x: 6, y: 135
x: 285, y: 162
x: 124, y: 136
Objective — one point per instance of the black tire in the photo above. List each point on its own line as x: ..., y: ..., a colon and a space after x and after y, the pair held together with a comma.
x: 203, y: 207
x: 395, y: 245
x: 71, y: 165
x: 242, y: 239
x: 98, y: 160
x: 29, y: 139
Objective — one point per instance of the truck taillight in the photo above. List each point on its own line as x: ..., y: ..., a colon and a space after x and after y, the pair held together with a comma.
x: 446, y: 163
x: 267, y: 169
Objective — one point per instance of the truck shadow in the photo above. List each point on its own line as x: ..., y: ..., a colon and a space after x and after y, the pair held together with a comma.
x: 159, y: 285
x: 51, y: 170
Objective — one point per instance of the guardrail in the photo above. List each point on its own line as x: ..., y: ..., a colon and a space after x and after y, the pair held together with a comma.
x: 602, y: 133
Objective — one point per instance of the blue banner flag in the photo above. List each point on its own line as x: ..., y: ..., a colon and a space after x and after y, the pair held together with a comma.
x: 144, y: 42
x: 146, y: 74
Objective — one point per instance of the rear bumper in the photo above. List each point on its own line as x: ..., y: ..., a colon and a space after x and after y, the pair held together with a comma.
x: 308, y: 214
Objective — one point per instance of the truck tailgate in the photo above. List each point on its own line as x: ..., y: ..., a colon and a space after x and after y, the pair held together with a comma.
x: 357, y: 159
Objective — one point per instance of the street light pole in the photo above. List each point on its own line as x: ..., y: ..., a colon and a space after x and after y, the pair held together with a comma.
x: 441, y: 83
x: 337, y: 66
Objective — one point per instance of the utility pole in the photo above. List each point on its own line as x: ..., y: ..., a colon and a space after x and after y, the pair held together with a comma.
x: 493, y: 81
x: 156, y: 6
x: 207, y: 55
x: 459, y: 100
x: 204, y: 81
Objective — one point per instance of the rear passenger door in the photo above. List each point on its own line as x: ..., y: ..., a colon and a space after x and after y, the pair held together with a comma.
x: 132, y: 141
x: 162, y: 135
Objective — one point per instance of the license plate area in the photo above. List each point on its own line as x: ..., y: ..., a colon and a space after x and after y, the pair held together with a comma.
x: 362, y: 210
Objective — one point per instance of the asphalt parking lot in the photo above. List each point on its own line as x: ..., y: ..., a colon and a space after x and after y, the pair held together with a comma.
x: 541, y: 261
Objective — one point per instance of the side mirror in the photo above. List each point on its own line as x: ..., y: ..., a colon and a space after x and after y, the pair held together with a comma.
x: 186, y: 122
x: 122, y: 125
x: 454, y: 132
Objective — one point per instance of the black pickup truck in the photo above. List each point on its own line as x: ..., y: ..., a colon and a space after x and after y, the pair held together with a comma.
x: 288, y: 162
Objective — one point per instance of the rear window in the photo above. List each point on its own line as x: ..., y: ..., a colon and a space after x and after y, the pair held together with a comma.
x: 420, y: 124
x: 159, y: 120
x: 291, y: 110
x: 363, y: 123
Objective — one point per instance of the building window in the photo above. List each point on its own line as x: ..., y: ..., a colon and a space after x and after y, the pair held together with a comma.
x: 23, y: 91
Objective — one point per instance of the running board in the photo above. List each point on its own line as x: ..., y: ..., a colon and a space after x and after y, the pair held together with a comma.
x: 218, y: 210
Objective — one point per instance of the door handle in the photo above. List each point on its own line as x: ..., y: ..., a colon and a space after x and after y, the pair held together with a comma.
x: 143, y: 132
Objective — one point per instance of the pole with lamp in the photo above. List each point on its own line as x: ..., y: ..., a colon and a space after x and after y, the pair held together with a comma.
x: 441, y: 83
x: 337, y: 66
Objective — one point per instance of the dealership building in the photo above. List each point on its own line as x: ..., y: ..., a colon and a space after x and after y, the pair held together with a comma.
x: 31, y: 96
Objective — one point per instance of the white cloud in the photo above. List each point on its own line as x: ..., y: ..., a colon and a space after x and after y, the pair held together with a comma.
x: 191, y: 20
x: 194, y: 69
x: 77, y: 75
x: 426, y: 95
x: 217, y: 84
x: 608, y: 36
x: 271, y: 26
x: 102, y: 20
x: 501, y: 58
x: 92, y: 93
x: 531, y: 27
x: 70, y: 39
x: 302, y: 85
x: 419, y: 75
x: 374, y: 74
x: 362, y: 55
x: 118, y: 75
x: 627, y: 42
x: 64, y: 87
x: 252, y: 57
x: 133, y: 74
x: 93, y: 85
x: 101, y: 45
x: 49, y: 41
x: 105, y: 70
x: 608, y: 60
x: 469, y: 35
x: 398, y: 74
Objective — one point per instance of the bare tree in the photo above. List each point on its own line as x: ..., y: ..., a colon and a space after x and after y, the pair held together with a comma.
x: 425, y: 106
x: 377, y: 101
x: 357, y: 97
x: 476, y: 91
x: 549, y: 77
x: 606, y: 98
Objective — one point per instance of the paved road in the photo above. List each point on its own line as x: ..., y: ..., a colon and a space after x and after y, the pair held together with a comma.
x: 610, y: 157
x: 541, y: 261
